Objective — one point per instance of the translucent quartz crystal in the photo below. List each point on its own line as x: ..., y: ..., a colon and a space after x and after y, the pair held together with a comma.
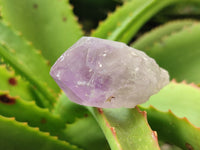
x: 103, y: 73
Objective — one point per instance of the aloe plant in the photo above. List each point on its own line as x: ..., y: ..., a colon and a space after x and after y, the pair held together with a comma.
x: 36, y: 114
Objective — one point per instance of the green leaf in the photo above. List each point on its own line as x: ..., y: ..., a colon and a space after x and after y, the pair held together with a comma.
x: 68, y: 110
x: 26, y: 61
x: 175, y: 50
x: 125, y: 129
x: 4, y: 51
x: 124, y: 23
x: 79, y: 121
x: 26, y: 55
x: 53, y: 124
x: 49, y: 24
x: 91, y: 136
x: 14, y: 84
x: 182, y: 99
x: 188, y: 9
x: 30, y: 113
x: 174, y: 130
x: 19, y: 87
x: 15, y: 135
x: 150, y: 38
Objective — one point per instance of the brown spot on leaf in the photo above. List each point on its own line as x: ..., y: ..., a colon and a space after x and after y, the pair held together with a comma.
x: 48, y: 63
x: 100, y: 110
x: 188, y: 146
x: 7, y: 100
x: 12, y: 81
x: 43, y: 120
x: 113, y: 131
x: 35, y: 6
x: 85, y: 115
x: 64, y: 19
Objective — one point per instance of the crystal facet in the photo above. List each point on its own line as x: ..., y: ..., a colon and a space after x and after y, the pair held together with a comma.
x: 107, y: 74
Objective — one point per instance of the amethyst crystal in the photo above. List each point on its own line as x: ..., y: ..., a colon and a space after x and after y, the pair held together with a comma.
x: 107, y: 74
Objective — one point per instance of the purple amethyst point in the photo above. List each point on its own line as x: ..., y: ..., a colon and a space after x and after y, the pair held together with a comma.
x: 107, y: 74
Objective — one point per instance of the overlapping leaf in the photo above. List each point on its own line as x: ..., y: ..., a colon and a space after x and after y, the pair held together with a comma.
x: 176, y: 49
x: 124, y: 23
x: 30, y: 113
x: 86, y: 133
x: 25, y: 60
x: 14, y: 84
x: 80, y: 121
x: 49, y: 24
x: 15, y: 135
x: 174, y: 130
x: 126, y: 129
x: 68, y: 110
x: 182, y: 101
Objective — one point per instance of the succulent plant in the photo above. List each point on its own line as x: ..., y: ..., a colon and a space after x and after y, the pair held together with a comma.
x: 36, y: 114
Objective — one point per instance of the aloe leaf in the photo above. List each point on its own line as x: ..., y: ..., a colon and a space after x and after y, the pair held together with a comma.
x: 128, y: 19
x: 15, y: 135
x: 117, y: 125
x: 32, y: 114
x: 4, y: 51
x: 91, y: 135
x: 154, y: 36
x: 53, y: 124
x: 16, y: 52
x: 125, y: 128
x: 172, y: 129
x: 181, y: 99
x: 49, y: 24
x: 17, y: 86
x: 188, y: 9
x: 68, y: 110
x: 14, y: 84
x: 79, y: 120
x: 27, y: 55
x: 175, y: 50
x: 48, y: 122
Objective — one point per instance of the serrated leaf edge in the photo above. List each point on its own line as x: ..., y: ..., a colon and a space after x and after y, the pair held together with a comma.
x: 36, y: 129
